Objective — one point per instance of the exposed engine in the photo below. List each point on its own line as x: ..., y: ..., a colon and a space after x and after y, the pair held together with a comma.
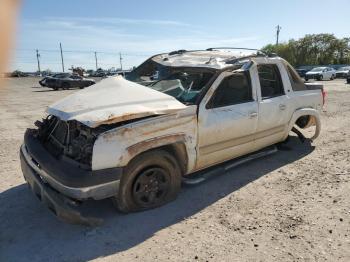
x: 68, y: 139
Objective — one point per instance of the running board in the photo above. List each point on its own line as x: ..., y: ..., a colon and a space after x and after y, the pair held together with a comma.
x: 202, y: 176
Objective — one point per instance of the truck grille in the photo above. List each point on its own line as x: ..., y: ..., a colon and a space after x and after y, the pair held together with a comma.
x: 57, y: 138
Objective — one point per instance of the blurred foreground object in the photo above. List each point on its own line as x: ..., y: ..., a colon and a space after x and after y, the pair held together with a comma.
x: 8, y: 15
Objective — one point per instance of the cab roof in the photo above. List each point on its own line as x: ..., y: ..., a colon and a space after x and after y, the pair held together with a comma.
x: 216, y: 58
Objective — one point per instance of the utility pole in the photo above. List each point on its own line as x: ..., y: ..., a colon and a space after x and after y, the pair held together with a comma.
x: 96, y: 59
x: 62, y: 57
x: 37, y: 57
x: 120, y: 61
x: 278, y: 33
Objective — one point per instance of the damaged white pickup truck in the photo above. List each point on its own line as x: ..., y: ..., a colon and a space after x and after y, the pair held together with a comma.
x: 134, y: 140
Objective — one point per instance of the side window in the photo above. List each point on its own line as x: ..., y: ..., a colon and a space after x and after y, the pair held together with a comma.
x: 270, y: 81
x: 232, y: 90
x: 296, y: 82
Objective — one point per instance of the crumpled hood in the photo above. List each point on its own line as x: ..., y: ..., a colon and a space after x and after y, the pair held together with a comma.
x: 113, y: 100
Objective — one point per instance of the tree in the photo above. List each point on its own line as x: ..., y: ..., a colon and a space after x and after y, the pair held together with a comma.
x: 315, y: 49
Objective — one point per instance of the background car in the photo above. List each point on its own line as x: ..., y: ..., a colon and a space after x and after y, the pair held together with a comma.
x: 18, y: 73
x: 301, y: 72
x: 99, y: 73
x: 321, y: 73
x: 342, y: 72
x: 66, y: 81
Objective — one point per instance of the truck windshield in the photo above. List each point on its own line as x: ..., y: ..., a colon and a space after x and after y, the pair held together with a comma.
x: 183, y: 83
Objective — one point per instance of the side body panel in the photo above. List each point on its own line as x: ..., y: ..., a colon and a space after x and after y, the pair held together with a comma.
x: 116, y: 147
x: 275, y: 114
x: 215, y: 135
x: 225, y: 132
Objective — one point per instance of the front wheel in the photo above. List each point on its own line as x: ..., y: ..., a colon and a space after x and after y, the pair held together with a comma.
x: 150, y: 180
x: 320, y: 78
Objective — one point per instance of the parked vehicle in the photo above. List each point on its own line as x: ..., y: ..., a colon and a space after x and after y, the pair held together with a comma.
x: 342, y: 72
x: 18, y: 73
x: 135, y: 139
x: 66, y: 81
x: 301, y: 72
x: 321, y: 73
x: 99, y: 73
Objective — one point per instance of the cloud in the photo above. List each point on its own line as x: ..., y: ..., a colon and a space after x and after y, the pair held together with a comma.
x: 136, y: 39
x: 119, y: 21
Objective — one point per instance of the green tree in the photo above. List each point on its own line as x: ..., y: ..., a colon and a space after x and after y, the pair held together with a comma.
x: 315, y: 49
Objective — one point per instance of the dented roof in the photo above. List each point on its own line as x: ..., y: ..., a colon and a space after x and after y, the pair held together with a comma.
x: 113, y: 100
x: 212, y: 59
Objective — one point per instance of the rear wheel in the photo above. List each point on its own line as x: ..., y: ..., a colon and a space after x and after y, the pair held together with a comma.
x: 332, y: 77
x: 150, y: 180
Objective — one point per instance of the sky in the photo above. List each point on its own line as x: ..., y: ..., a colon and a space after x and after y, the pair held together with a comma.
x: 139, y: 29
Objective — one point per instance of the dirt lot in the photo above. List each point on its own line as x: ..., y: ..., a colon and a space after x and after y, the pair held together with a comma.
x: 291, y: 206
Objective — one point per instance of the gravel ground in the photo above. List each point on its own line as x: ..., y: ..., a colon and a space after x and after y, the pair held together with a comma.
x: 290, y: 206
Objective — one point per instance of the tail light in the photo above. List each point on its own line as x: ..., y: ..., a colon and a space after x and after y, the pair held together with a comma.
x: 323, y: 96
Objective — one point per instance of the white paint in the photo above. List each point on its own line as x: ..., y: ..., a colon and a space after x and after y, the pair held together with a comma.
x: 222, y: 133
x: 113, y: 99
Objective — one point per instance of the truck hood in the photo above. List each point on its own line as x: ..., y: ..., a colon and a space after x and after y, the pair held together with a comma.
x: 113, y: 100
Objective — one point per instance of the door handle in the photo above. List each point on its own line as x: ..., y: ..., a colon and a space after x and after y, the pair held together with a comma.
x: 282, y: 106
x: 253, y: 114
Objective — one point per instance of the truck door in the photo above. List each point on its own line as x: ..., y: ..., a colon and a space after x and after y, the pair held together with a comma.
x: 227, y: 119
x: 273, y: 106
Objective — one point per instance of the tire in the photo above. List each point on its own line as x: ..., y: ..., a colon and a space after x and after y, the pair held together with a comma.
x: 320, y: 78
x: 306, y: 79
x: 150, y: 180
x: 333, y: 77
x: 65, y: 86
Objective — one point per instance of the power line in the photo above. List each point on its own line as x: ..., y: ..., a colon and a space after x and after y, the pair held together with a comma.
x: 25, y: 56
x: 87, y: 52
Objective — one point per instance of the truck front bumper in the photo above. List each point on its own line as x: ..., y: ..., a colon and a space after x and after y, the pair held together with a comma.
x: 58, y: 184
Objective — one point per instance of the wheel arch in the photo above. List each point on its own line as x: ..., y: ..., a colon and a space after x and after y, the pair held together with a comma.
x: 174, y: 144
x: 305, y: 118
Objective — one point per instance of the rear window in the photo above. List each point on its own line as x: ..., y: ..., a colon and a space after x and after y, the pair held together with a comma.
x: 270, y: 81
x: 295, y: 80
